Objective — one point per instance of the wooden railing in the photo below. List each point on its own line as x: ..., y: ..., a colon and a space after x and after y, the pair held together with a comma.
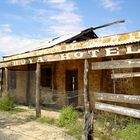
x: 132, y: 99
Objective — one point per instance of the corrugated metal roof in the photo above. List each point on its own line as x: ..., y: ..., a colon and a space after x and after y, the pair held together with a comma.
x: 41, y: 44
x: 114, y: 40
x: 68, y: 38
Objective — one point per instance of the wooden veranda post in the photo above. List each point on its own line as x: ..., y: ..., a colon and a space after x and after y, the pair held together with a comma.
x: 88, y: 116
x: 6, y: 81
x: 38, y: 110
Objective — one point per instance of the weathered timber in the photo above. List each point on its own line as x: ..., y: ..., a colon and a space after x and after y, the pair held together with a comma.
x: 118, y: 109
x: 6, y: 81
x: 125, y: 75
x: 28, y: 85
x: 132, y: 99
x: 128, y: 63
x: 88, y: 116
x: 38, y: 110
x: 86, y: 94
x: 108, y: 24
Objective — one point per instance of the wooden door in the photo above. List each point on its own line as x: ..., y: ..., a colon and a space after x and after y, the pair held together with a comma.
x: 72, y: 87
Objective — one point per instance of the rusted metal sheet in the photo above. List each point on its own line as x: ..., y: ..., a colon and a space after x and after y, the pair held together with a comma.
x: 114, y: 40
x: 118, y: 109
x: 125, y: 75
x: 128, y: 63
x: 133, y: 99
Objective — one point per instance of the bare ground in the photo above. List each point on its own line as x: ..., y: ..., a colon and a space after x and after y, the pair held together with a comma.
x: 16, y: 127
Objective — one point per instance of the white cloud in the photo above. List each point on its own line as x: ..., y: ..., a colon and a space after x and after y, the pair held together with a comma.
x: 58, y: 18
x: 66, y: 18
x: 63, y: 17
x: 111, y: 5
x: 22, y: 2
x: 9, y: 43
x: 55, y: 1
x: 61, y: 30
x: 5, y: 28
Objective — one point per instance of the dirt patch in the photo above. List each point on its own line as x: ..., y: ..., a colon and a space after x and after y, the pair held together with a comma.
x: 16, y: 127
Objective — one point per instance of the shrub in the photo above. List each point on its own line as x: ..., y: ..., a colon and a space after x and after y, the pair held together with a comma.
x: 113, y: 121
x: 131, y: 132
x: 7, y: 103
x: 120, y: 126
x: 67, y: 116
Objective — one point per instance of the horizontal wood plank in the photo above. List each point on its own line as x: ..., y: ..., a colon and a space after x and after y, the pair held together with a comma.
x: 133, y: 99
x: 125, y: 75
x: 118, y: 109
x: 114, y: 64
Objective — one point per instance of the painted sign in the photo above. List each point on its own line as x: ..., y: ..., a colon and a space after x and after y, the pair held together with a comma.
x: 90, y: 53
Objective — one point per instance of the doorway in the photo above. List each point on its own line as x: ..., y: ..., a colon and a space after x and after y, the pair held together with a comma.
x: 72, y: 87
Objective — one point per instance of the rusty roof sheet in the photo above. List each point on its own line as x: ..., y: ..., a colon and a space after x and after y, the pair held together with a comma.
x: 106, y: 41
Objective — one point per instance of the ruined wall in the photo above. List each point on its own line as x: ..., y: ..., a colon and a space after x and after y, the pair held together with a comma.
x: 47, y: 96
x: 61, y: 68
x: 99, y: 81
x: 94, y: 79
x: 20, y: 90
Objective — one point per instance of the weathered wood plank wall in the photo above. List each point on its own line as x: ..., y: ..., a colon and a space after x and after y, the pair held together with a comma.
x: 133, y: 99
x: 118, y: 109
x: 115, y: 64
x: 125, y: 75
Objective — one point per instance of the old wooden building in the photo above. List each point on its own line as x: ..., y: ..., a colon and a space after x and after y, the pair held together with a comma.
x: 57, y: 68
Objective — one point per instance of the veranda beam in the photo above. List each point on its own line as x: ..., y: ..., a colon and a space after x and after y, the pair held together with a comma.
x: 132, y: 99
x: 38, y: 110
x: 115, y: 64
x: 118, y: 109
x: 6, y: 80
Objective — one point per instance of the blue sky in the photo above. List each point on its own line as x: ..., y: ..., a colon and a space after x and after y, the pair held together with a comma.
x: 25, y: 21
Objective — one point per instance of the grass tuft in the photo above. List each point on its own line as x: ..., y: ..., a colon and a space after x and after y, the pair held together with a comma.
x: 7, y: 103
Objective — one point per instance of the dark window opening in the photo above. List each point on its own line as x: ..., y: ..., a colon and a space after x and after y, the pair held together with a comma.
x: 12, y: 80
x: 46, y: 77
